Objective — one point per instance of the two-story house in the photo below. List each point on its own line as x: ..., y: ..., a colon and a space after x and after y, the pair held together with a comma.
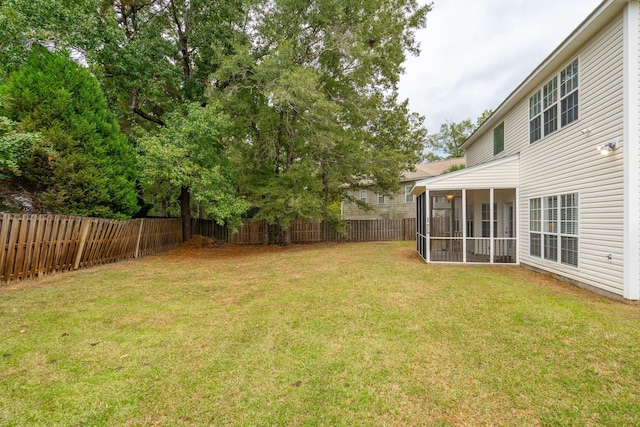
x: 401, y: 205
x: 553, y: 176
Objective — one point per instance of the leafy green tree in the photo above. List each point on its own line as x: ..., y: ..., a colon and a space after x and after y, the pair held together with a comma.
x: 15, y: 147
x: 63, y: 24
x: 87, y: 167
x: 155, y: 61
x: 452, y: 136
x: 313, y: 92
x: 190, y: 151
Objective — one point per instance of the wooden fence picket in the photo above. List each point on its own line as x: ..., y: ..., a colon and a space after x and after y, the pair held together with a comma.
x: 38, y: 245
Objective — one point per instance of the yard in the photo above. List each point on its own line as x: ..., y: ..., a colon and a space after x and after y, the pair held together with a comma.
x: 331, y: 334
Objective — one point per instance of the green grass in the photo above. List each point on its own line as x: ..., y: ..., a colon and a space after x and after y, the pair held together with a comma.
x: 320, y: 335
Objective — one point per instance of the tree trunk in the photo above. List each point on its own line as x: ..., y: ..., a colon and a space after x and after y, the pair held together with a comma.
x: 286, y: 236
x: 185, y: 213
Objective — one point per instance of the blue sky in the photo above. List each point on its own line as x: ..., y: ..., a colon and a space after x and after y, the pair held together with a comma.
x: 475, y: 52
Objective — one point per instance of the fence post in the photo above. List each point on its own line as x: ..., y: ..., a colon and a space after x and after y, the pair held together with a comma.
x: 84, y: 232
x: 139, y: 237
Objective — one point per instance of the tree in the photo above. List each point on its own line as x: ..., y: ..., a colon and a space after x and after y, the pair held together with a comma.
x: 190, y: 151
x: 314, y: 96
x: 59, y: 24
x: 85, y: 166
x: 15, y: 147
x: 452, y: 136
x: 154, y: 62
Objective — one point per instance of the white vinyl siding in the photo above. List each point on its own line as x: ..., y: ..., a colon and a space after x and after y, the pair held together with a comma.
x: 514, y: 138
x: 567, y: 162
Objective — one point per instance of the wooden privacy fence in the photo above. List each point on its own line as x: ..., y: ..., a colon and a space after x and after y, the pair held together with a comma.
x: 37, y: 245
x: 258, y: 232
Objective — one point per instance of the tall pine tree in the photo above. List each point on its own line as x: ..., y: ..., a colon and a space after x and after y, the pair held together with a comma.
x: 88, y: 167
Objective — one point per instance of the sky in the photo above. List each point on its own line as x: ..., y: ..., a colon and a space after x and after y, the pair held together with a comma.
x: 474, y: 53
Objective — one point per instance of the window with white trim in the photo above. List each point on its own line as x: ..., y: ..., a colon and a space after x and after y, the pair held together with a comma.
x: 363, y: 196
x: 408, y: 198
x: 380, y: 199
x: 553, y: 228
x: 535, y: 118
x: 535, y: 227
x: 569, y: 229
x: 544, y: 104
x: 486, y: 220
x: 470, y: 221
x: 569, y: 94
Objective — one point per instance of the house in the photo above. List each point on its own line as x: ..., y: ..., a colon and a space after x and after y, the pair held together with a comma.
x: 553, y: 176
x: 400, y: 206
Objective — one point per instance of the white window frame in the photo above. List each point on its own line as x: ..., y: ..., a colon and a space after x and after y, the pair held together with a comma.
x: 408, y: 198
x: 363, y: 196
x: 558, y: 99
x: 554, y: 222
x: 381, y: 200
x: 486, y: 220
x: 535, y: 225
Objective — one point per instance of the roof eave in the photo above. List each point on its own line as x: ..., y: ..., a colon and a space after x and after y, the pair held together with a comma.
x: 568, y: 48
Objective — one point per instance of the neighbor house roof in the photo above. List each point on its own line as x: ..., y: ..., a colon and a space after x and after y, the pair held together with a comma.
x: 423, y: 170
x: 426, y: 170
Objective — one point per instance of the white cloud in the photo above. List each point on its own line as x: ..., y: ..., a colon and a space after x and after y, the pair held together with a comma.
x: 475, y: 52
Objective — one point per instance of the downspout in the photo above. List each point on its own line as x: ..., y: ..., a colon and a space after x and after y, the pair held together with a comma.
x: 631, y: 153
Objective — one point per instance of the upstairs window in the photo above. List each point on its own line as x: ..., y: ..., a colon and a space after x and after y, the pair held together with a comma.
x: 550, y: 110
x: 380, y: 199
x: 569, y: 94
x: 363, y: 196
x: 535, y: 119
x: 550, y: 106
x: 498, y: 139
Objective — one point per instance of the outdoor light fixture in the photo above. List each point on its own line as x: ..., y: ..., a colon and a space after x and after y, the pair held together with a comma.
x: 608, y: 147
x: 586, y: 131
x: 449, y: 196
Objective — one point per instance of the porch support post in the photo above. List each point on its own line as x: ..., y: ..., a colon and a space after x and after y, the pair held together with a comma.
x: 492, y: 237
x: 464, y: 225
x: 631, y: 151
x: 427, y: 225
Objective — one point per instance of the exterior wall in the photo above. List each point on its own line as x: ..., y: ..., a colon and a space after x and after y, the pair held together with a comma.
x: 567, y: 162
x: 393, y: 207
x: 515, y: 139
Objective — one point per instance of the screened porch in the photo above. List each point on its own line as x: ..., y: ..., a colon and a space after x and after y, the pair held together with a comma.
x: 459, y: 221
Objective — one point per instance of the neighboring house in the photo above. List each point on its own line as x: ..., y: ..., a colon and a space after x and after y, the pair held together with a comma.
x: 402, y: 205
x: 553, y: 176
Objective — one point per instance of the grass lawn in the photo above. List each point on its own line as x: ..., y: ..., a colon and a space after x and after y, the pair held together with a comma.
x: 328, y: 335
